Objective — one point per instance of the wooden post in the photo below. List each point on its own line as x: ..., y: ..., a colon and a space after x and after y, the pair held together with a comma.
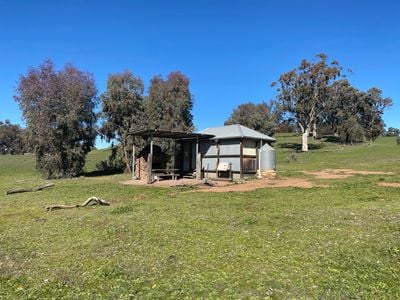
x: 241, y: 159
x: 150, y: 163
x: 198, y: 160
x: 259, y: 160
x: 218, y: 153
x: 133, y: 163
x: 173, y: 162
x: 150, y: 168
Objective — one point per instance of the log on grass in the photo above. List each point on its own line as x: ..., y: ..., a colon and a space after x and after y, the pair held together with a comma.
x: 89, y: 202
x: 15, y: 191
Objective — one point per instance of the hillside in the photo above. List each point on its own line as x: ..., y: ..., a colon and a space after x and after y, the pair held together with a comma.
x: 338, y: 240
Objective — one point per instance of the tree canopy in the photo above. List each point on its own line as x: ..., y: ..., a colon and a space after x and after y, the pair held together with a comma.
x: 262, y: 117
x: 58, y: 107
x: 122, y: 109
x: 316, y: 94
x: 169, y: 104
x: 354, y: 115
x: 373, y: 105
x: 303, y: 92
x: 392, y: 131
x: 12, y: 138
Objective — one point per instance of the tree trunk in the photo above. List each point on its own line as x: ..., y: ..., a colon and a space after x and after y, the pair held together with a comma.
x: 305, y: 131
x: 314, y: 131
x: 304, y: 146
x: 126, y: 158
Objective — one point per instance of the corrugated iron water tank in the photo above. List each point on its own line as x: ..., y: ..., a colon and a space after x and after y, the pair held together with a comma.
x: 267, y: 158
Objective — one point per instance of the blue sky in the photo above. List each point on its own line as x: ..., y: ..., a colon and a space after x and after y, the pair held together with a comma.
x: 230, y: 50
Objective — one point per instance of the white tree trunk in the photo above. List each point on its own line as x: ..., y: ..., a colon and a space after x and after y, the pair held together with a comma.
x: 304, y: 146
x: 305, y: 131
x: 314, y: 131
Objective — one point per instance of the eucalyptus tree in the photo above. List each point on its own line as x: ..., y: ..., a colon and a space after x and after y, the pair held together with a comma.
x: 262, y: 117
x: 303, y: 92
x: 123, y: 110
x: 354, y: 115
x: 342, y: 112
x: 58, y: 108
x: 392, y: 131
x: 373, y: 105
x: 169, y: 106
x: 11, y: 138
x: 169, y: 103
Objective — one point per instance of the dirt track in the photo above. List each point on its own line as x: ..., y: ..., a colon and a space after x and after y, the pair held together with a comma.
x: 261, y: 183
x: 225, y: 186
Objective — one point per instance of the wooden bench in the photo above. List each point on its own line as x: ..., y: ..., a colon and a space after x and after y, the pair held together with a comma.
x: 163, y: 173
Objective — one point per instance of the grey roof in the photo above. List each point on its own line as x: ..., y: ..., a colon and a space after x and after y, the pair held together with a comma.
x: 236, y: 131
x: 171, y: 134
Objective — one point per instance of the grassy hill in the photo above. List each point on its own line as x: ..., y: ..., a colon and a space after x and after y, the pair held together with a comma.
x: 337, y: 241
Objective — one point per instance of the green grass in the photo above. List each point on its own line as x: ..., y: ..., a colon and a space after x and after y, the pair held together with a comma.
x: 337, y: 242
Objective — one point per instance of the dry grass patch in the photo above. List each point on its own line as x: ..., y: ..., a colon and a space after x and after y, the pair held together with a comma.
x: 342, y: 173
x: 389, y: 184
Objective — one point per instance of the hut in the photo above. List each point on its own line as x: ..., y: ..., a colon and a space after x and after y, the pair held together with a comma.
x: 226, y: 152
x: 234, y: 149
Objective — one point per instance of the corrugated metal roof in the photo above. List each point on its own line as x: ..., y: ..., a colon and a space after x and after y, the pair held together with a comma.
x: 236, y: 131
x: 161, y: 133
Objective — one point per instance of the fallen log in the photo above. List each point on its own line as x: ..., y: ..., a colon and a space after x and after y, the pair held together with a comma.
x: 15, y: 191
x: 89, y: 202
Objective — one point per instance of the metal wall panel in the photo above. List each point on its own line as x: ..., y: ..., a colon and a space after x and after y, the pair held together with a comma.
x: 229, y: 147
x: 208, y: 148
x: 249, y: 147
x: 209, y: 163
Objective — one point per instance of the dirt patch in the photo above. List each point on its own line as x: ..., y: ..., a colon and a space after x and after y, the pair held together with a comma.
x: 260, y: 184
x: 327, y: 175
x: 389, y: 184
x: 175, y: 183
x: 342, y: 173
x: 226, y: 186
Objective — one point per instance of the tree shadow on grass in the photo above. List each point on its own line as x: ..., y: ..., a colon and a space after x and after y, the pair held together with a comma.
x: 297, y: 146
x: 331, y: 139
x: 98, y: 173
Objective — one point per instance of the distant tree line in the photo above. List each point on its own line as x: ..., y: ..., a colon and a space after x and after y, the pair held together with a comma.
x: 62, y: 120
x: 391, y: 131
x: 12, y: 138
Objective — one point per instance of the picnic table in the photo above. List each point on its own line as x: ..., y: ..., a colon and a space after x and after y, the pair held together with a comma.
x: 163, y: 173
